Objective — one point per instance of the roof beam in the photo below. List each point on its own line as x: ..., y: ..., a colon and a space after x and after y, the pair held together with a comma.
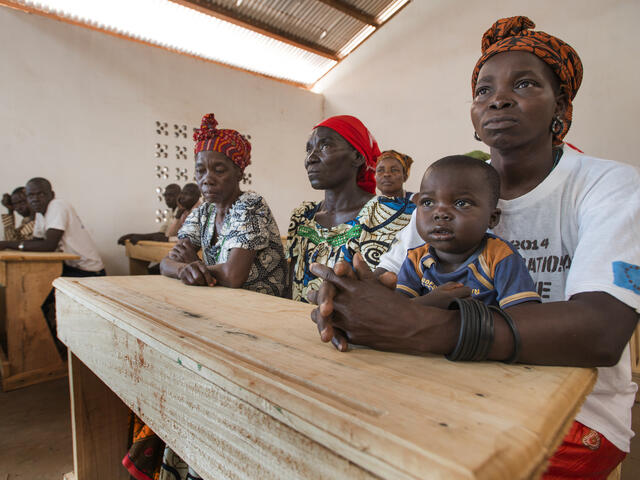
x: 231, y: 16
x: 352, y: 11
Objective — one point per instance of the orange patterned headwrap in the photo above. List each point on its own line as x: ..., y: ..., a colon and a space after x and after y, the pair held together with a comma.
x: 405, y: 160
x: 513, y: 34
x: 229, y: 142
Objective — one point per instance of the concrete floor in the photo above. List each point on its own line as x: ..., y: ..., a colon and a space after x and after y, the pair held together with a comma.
x: 35, y: 434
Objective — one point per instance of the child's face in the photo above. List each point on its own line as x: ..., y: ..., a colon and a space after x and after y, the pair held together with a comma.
x: 454, y: 210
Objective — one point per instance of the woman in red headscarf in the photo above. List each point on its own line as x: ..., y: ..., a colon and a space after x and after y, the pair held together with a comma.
x: 341, y: 160
x: 574, y: 218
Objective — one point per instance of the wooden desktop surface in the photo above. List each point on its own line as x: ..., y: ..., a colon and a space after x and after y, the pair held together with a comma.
x: 239, y: 384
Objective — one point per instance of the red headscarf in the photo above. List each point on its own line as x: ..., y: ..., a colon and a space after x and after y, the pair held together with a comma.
x: 228, y: 142
x: 360, y: 138
x: 509, y: 34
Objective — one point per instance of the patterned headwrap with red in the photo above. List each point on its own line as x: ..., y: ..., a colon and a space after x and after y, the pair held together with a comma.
x: 405, y: 160
x: 514, y: 34
x: 360, y: 138
x: 229, y: 142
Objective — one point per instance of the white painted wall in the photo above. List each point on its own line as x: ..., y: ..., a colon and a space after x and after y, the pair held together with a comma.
x: 79, y: 108
x: 410, y: 82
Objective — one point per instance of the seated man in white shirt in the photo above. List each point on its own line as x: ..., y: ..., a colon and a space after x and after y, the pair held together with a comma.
x: 58, y: 228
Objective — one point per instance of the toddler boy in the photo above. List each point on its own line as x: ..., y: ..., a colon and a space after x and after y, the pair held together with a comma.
x: 455, y: 207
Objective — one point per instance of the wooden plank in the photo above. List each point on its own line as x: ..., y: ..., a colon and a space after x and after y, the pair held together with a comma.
x: 148, y: 251
x: 99, y: 421
x: 352, y: 11
x: 398, y: 416
x: 220, y: 435
x: 19, y: 256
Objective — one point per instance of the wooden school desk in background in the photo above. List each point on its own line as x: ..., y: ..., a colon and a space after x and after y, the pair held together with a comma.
x: 145, y: 252
x: 28, y: 353
x: 240, y: 386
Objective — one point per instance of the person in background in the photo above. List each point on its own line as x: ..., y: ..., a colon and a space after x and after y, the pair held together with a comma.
x: 17, y: 202
x: 58, y: 227
x: 576, y: 221
x: 188, y: 200
x: 392, y: 171
x: 341, y: 160
x: 171, y: 193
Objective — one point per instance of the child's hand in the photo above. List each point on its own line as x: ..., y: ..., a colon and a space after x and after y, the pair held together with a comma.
x: 442, y: 296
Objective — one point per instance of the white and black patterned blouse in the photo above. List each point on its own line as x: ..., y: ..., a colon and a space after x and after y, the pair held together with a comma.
x: 249, y: 224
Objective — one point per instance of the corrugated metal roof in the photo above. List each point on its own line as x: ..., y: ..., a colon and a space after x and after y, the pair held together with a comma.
x: 294, y: 40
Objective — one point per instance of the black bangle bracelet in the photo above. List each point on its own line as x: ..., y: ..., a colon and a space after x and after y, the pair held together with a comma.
x: 455, y: 354
x: 514, y: 331
x: 476, y: 330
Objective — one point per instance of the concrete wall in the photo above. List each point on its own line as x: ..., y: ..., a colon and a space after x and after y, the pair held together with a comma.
x: 79, y: 107
x: 410, y: 82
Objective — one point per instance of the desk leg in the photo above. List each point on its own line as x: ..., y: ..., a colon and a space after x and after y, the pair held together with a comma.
x: 138, y: 267
x: 99, y: 423
x: 31, y: 355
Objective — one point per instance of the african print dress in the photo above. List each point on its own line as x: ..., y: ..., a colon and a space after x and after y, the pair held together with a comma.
x: 370, y: 233
x: 249, y: 224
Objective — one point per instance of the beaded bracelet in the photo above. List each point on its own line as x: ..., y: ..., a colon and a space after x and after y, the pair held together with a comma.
x: 514, y: 332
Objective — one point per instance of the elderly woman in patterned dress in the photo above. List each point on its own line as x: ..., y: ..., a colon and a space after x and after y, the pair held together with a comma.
x: 235, y: 230
x: 341, y: 160
x: 241, y: 248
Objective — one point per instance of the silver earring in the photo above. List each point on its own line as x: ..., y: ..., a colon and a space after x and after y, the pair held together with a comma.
x: 475, y: 135
x: 557, y: 126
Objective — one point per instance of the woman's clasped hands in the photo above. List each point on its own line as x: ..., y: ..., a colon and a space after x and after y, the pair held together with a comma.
x: 194, y: 272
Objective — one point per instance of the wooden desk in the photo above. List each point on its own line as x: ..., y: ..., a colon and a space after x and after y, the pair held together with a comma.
x: 238, y: 383
x: 144, y: 252
x: 28, y: 353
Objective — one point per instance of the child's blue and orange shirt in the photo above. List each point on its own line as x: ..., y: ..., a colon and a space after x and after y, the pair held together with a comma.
x: 495, y: 273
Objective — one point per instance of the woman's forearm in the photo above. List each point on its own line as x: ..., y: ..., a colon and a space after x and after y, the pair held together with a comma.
x: 227, y: 276
x: 171, y: 268
x: 590, y: 330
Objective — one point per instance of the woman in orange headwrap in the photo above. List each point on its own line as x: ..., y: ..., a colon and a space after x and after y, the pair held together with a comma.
x: 392, y: 171
x: 235, y: 230
x: 562, y: 210
x: 341, y: 160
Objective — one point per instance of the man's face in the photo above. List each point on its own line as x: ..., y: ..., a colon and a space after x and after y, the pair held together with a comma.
x: 20, y: 204
x: 38, y: 196
x: 171, y: 197
x: 188, y: 197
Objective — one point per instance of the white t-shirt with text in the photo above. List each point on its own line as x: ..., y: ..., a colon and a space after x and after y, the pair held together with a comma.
x: 577, y: 231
